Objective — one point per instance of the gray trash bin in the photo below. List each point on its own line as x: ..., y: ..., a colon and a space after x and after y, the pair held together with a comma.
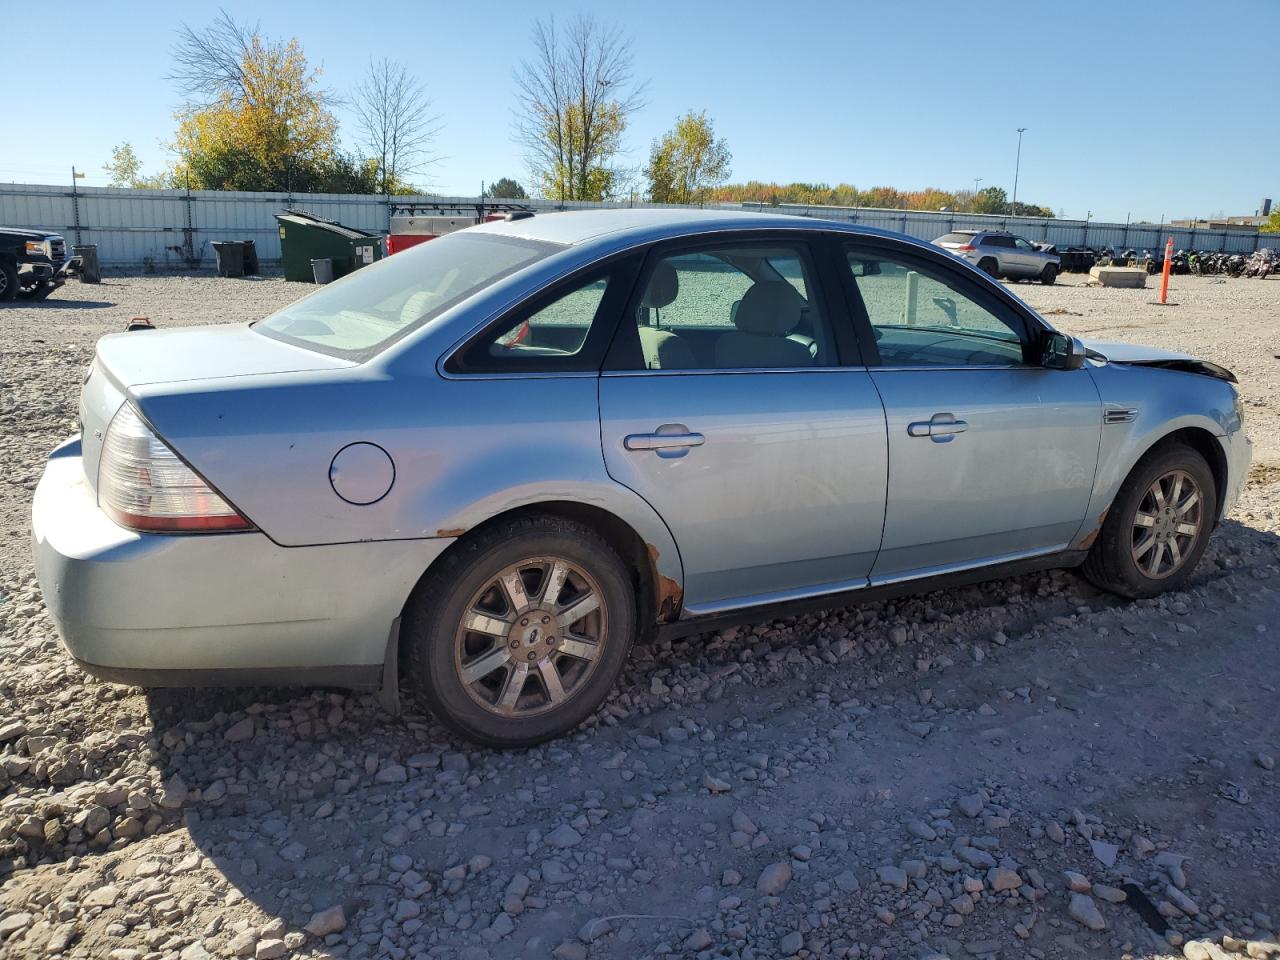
x: 90, y: 271
x: 322, y: 270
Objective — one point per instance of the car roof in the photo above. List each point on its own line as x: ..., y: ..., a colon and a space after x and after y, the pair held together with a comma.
x: 628, y: 226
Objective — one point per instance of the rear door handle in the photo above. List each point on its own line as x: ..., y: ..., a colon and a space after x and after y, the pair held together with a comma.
x: 663, y: 441
x: 940, y: 428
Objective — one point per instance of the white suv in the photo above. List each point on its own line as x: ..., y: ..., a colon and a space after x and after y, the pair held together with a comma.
x: 1001, y: 254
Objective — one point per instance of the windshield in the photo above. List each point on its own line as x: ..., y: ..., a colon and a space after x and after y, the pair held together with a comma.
x: 368, y: 309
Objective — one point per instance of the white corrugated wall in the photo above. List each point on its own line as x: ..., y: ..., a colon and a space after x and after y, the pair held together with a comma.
x: 134, y: 228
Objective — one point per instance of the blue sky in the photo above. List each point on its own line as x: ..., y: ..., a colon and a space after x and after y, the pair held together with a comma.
x: 1149, y: 110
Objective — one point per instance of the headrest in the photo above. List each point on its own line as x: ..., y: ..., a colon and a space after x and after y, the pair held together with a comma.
x: 769, y: 308
x: 663, y: 286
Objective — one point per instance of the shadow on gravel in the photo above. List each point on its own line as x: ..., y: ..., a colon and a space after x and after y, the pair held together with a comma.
x: 54, y: 304
x: 306, y: 799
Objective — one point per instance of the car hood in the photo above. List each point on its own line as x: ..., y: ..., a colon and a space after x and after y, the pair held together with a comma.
x: 27, y: 234
x: 202, y: 353
x: 1139, y: 355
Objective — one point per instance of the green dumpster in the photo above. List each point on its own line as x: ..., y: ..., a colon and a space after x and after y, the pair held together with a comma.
x: 305, y: 237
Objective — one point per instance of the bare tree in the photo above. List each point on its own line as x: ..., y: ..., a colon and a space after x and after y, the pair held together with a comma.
x: 209, y: 62
x: 396, y: 123
x: 577, y: 94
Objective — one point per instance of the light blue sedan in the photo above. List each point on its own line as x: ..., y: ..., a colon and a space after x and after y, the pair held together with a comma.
x: 483, y: 468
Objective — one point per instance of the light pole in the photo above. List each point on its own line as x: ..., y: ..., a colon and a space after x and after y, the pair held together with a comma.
x: 976, y: 181
x: 1016, y: 167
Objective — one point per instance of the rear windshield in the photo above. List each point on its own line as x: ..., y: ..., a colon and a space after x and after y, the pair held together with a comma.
x: 369, y: 309
x: 956, y: 238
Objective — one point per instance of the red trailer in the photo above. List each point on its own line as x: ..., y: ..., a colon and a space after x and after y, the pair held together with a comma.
x: 415, y: 223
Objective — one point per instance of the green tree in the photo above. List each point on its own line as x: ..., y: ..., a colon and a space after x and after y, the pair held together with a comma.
x: 125, y: 168
x: 687, y: 162
x: 506, y: 189
x: 990, y: 200
x: 1271, y: 224
x: 577, y: 94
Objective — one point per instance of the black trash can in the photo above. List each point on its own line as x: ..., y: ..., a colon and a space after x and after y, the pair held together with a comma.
x: 250, y: 258
x: 90, y: 270
x: 230, y: 254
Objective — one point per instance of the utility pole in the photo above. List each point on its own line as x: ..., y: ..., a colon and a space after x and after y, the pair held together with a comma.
x: 75, y: 201
x: 1016, y: 168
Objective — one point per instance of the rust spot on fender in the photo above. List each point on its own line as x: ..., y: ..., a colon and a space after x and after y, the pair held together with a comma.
x: 451, y: 532
x: 668, y: 594
x: 1088, y: 540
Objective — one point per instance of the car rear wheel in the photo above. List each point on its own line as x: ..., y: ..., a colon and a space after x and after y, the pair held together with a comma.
x: 8, y: 281
x: 1158, y: 527
x: 1048, y: 274
x: 989, y: 266
x: 522, y: 631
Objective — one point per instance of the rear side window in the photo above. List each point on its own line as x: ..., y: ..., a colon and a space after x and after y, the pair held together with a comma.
x: 997, y: 241
x: 563, y: 329
x: 730, y: 306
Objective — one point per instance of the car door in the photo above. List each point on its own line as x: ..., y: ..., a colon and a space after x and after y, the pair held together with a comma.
x: 991, y: 455
x: 733, y: 400
x: 1030, y: 261
x: 1002, y: 248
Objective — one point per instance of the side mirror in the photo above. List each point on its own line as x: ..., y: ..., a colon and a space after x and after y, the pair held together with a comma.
x: 1060, y: 352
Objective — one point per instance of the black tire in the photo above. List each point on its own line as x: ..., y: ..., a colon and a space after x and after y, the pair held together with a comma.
x: 8, y: 281
x: 990, y: 266
x: 1110, y: 564
x: 433, y: 639
x: 1048, y: 274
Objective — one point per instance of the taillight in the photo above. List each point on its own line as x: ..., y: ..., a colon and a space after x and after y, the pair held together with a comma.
x: 967, y: 246
x: 144, y: 486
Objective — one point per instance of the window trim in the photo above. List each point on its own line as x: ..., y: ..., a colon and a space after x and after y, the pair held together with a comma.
x: 620, y: 270
x: 625, y: 357
x: 977, y: 287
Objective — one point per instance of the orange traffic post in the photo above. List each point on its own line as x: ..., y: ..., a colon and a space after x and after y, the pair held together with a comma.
x: 1164, y: 277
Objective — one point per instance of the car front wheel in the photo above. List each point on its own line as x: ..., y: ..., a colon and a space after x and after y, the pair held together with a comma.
x: 521, y: 632
x: 1158, y: 527
x: 1049, y: 274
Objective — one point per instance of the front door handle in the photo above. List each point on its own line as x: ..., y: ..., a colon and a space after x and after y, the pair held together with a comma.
x: 662, y: 441
x: 940, y: 428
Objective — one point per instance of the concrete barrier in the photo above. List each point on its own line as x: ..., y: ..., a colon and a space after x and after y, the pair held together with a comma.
x: 1131, y: 277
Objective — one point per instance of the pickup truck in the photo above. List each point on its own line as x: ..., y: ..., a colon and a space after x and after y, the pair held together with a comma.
x: 33, y: 263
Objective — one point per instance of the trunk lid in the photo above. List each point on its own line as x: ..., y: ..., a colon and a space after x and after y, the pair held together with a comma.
x: 127, y: 360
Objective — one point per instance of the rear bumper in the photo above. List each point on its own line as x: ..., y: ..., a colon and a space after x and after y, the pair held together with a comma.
x: 213, y: 609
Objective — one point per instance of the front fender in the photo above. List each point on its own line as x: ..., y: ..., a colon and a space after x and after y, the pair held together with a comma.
x: 1161, y: 403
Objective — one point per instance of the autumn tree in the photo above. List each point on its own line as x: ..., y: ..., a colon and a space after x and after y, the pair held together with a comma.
x: 506, y: 189
x: 256, y: 117
x: 396, y: 124
x: 687, y: 162
x: 576, y: 96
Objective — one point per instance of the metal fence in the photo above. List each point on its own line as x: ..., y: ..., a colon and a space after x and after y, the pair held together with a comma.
x: 172, y: 229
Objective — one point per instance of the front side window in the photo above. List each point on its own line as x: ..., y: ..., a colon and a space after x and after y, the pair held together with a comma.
x: 1023, y: 245
x: 369, y: 309
x: 731, y: 307
x: 921, y: 317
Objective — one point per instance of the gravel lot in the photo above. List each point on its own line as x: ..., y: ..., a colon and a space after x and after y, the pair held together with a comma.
x: 1008, y: 770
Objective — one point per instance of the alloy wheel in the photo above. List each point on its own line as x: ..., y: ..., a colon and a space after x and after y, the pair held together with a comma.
x: 1167, y: 523
x: 531, y: 636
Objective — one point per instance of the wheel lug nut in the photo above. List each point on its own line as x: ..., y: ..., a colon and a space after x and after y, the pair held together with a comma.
x: 533, y: 656
x: 524, y: 622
